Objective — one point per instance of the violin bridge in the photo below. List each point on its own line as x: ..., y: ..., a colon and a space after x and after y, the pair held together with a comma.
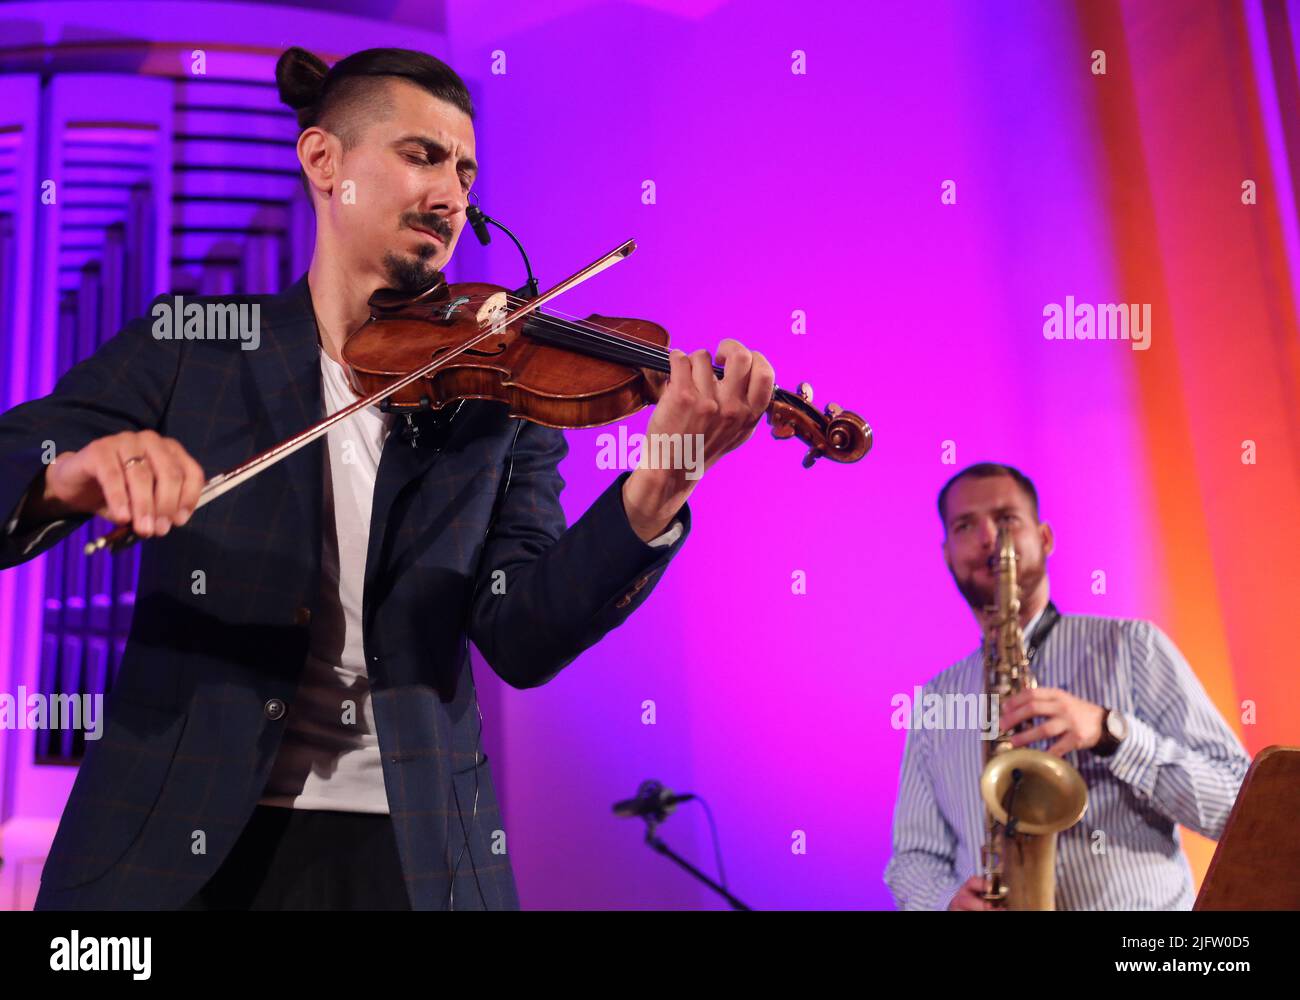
x: 493, y: 311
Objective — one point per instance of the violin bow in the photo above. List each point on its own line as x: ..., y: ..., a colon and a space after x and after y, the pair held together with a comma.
x: 223, y: 482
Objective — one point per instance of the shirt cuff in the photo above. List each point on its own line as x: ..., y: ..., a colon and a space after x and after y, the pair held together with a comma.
x: 27, y: 540
x: 1134, y: 762
x: 669, y: 537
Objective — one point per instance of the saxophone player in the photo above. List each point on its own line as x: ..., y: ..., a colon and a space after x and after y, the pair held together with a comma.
x: 1115, y: 699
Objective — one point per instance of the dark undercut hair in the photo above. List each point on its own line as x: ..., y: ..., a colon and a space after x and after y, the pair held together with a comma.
x: 987, y: 470
x: 344, y: 98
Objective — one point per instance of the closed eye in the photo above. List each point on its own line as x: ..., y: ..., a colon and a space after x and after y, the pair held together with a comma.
x: 422, y: 160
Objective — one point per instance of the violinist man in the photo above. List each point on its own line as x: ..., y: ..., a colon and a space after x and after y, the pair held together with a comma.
x: 1115, y: 698
x: 301, y: 731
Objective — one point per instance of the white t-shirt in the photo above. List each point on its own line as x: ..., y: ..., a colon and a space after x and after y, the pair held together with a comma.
x: 329, y: 757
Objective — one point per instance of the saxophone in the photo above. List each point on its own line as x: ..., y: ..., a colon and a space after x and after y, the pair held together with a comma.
x: 1029, y: 795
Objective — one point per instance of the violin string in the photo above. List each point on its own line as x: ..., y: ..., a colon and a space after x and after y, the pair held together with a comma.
x: 597, y: 333
x: 607, y: 334
x: 617, y: 347
x: 555, y: 333
x: 637, y: 350
x: 624, y: 350
x: 560, y: 321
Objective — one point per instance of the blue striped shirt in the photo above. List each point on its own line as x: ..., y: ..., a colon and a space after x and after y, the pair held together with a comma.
x: 1179, y: 764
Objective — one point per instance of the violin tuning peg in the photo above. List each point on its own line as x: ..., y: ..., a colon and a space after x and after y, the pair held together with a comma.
x: 811, y: 457
x: 805, y: 392
x: 833, y: 409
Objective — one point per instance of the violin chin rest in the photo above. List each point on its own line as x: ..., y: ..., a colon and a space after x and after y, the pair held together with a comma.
x: 394, y: 300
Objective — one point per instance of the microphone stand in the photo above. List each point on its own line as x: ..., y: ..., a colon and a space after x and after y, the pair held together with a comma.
x: 477, y: 217
x: 656, y: 843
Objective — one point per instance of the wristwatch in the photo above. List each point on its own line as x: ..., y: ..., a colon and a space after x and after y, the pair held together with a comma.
x: 1114, y: 727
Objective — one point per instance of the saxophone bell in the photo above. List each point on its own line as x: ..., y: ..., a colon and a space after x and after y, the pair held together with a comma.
x: 1045, y: 794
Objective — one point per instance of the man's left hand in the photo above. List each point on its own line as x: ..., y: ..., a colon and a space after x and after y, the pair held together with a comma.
x: 695, y: 407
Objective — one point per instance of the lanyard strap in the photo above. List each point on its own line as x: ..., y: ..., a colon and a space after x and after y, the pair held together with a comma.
x: 1041, y: 631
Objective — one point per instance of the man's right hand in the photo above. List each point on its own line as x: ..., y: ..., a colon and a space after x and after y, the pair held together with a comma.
x: 136, y: 477
x: 971, y: 896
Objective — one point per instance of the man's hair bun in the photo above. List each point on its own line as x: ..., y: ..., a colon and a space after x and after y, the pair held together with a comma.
x: 345, y: 94
x: 300, y: 78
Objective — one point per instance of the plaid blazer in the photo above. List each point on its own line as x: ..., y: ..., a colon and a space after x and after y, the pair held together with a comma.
x: 197, y: 713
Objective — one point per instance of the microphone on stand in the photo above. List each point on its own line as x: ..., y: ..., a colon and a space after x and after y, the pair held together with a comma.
x: 653, y: 804
x: 479, y: 221
x: 652, y: 799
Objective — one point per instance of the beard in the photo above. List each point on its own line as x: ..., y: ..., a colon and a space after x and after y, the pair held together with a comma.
x: 980, y: 594
x: 411, y: 274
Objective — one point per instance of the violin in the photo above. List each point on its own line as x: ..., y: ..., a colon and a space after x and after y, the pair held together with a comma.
x: 473, y: 340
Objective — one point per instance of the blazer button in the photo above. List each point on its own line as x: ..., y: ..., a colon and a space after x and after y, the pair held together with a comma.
x: 623, y: 601
x: 274, y: 709
x: 302, y: 616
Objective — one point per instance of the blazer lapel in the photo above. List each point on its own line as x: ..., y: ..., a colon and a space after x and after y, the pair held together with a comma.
x: 399, y: 464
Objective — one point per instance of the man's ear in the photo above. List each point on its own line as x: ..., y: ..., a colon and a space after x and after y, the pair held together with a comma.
x: 947, y: 556
x: 318, y: 153
x: 1048, y: 538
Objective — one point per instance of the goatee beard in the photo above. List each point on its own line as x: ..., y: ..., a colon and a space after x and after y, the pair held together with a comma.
x: 411, y: 275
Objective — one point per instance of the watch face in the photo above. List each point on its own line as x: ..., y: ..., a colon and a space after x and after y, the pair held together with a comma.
x: 1116, y: 725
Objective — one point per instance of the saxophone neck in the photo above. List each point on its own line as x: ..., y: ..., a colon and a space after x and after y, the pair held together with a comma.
x: 1003, y: 636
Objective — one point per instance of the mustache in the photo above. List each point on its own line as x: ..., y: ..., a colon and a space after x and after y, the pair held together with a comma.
x: 433, y: 223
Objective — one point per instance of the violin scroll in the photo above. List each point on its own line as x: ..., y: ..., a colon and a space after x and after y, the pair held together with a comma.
x: 835, y: 432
